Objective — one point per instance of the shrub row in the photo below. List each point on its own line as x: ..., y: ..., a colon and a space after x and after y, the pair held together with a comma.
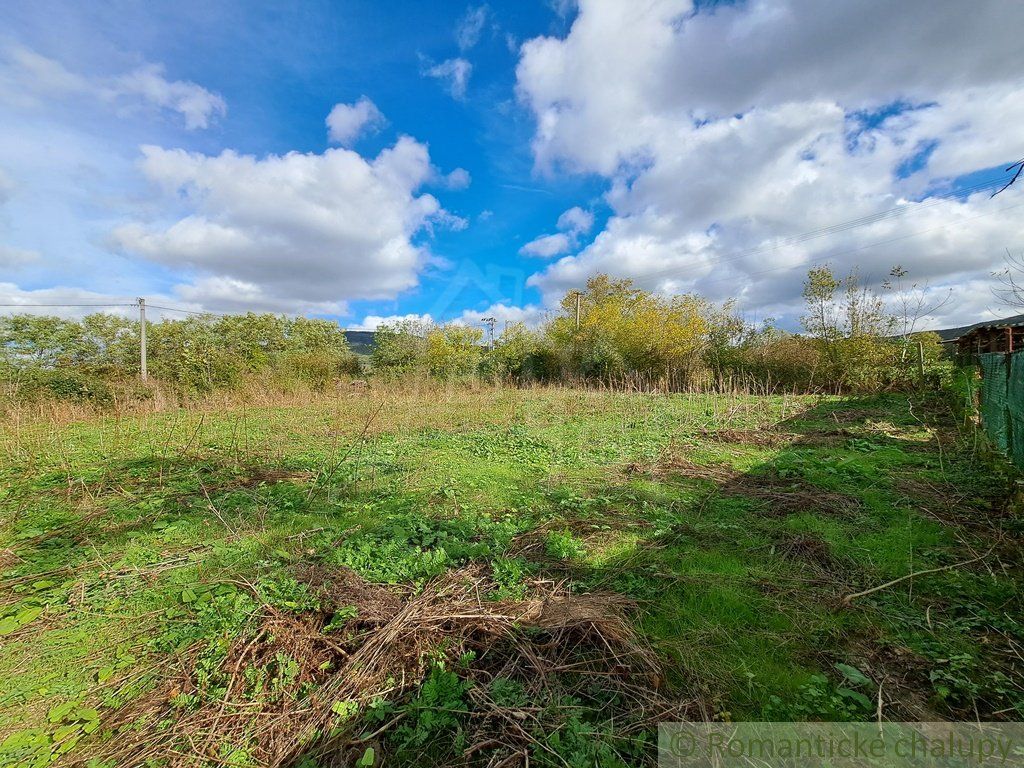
x: 622, y: 336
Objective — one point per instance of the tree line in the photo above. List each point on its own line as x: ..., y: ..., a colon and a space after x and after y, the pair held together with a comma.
x: 87, y: 358
x: 853, y: 340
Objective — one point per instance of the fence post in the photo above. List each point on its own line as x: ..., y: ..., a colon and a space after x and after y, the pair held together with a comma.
x: 1008, y: 357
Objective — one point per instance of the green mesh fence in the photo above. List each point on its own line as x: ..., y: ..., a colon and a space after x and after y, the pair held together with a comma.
x: 1015, y: 408
x: 994, y: 386
x: 1002, y: 402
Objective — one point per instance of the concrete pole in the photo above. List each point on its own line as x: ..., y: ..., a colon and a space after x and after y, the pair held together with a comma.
x: 142, y: 338
x: 578, y: 297
x: 489, y: 322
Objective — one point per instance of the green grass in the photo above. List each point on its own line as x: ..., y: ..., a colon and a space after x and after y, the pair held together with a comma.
x: 126, y: 541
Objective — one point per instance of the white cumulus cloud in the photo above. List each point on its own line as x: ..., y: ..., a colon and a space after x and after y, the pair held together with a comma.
x: 574, y: 223
x: 467, y: 34
x: 295, y: 230
x: 193, y: 102
x: 373, y: 322
x: 530, y: 315
x: 457, y: 179
x: 347, y: 122
x: 724, y: 133
x: 576, y: 220
x: 546, y: 246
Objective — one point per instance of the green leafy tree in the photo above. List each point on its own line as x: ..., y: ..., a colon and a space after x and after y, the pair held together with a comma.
x: 822, y: 318
x: 516, y: 355
x: 453, y: 351
x: 399, y: 347
x: 40, y: 340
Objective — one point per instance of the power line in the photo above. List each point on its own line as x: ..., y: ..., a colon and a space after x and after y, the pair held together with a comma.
x: 188, y: 311
x: 198, y: 313
x: 797, y: 239
x: 489, y: 322
x: 113, y: 304
x: 70, y: 305
x: 1019, y: 165
x: 142, y: 338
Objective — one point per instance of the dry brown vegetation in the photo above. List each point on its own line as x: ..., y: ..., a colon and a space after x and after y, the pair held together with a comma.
x: 385, y: 649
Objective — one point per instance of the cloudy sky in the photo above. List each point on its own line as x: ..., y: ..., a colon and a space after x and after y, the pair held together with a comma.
x: 360, y: 162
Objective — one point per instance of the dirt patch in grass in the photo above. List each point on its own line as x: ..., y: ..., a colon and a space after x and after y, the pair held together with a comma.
x: 812, y: 574
x: 298, y: 683
x: 340, y: 588
x: 593, y: 530
x: 901, y: 675
x: 781, y: 495
x: 8, y: 559
x: 941, y: 496
x: 856, y: 415
x: 774, y: 438
x: 268, y: 476
x: 766, y: 438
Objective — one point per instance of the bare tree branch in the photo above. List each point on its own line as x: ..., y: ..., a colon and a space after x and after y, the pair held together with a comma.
x: 1012, y: 280
x: 913, y: 301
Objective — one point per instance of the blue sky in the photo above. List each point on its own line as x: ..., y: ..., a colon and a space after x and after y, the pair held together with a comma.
x: 697, y: 144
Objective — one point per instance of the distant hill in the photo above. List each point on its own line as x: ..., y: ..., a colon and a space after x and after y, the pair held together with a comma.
x: 360, y: 342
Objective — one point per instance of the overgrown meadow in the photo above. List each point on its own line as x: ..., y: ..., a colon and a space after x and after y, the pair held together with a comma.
x: 496, y: 576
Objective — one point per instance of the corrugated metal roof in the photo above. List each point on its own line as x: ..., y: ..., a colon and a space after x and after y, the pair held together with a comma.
x: 952, y: 334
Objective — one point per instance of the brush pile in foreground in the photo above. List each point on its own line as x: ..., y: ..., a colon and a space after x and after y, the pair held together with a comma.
x: 298, y: 685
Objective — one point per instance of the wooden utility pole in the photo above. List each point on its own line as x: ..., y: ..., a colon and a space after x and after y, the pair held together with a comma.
x: 142, y: 338
x: 579, y: 296
x: 920, y: 360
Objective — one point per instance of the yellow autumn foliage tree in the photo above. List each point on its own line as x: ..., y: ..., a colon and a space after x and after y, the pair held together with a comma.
x: 624, y: 330
x: 453, y: 351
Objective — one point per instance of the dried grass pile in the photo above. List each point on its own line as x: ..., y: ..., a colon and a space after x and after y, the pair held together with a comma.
x: 809, y: 549
x: 289, y: 689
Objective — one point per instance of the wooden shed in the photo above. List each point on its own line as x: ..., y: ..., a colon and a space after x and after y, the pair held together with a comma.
x: 1005, y: 335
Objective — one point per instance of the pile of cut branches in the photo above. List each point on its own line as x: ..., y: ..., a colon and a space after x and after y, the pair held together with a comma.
x: 297, y: 684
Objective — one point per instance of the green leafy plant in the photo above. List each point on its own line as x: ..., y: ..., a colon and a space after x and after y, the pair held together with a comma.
x: 564, y: 546
x: 437, y: 709
x: 821, y: 699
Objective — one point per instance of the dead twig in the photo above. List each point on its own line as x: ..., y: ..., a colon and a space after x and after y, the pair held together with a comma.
x: 322, y: 477
x: 850, y: 598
